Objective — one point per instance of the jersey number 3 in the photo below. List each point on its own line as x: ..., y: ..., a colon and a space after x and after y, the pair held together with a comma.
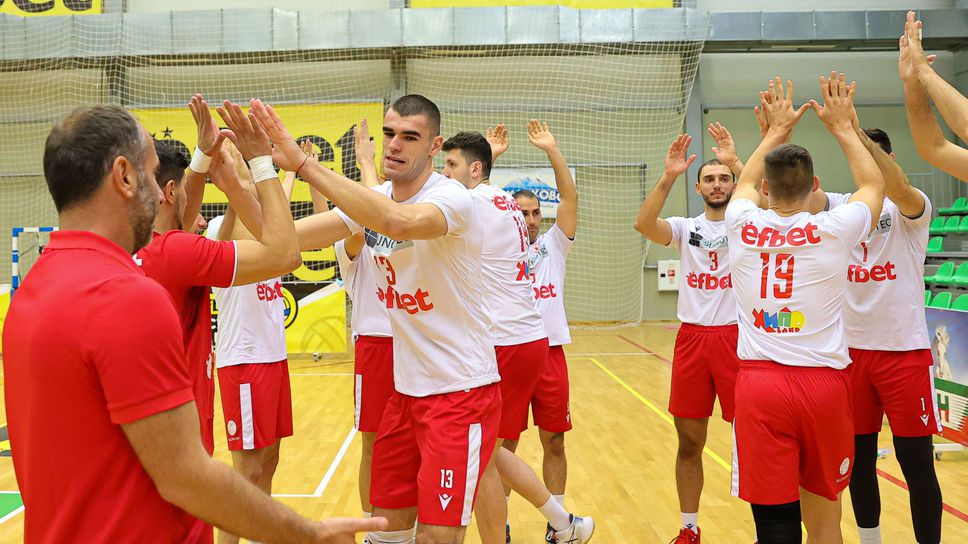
x: 777, y: 267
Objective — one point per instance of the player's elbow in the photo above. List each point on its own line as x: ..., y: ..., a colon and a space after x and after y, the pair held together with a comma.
x: 400, y: 225
x: 293, y: 261
x: 640, y: 226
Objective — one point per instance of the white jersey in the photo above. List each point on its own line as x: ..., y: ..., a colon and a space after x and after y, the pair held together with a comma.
x: 251, y: 320
x: 369, y: 312
x: 546, y: 261
x: 790, y: 283
x: 508, y: 295
x: 433, y: 294
x: 705, y: 284
x: 886, y: 278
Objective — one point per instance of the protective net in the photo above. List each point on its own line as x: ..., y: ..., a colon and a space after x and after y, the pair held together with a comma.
x: 613, y: 108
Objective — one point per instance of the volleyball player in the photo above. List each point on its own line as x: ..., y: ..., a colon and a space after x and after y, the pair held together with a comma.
x: 115, y: 385
x: 440, y: 427
x: 793, y: 426
x: 520, y: 341
x: 705, y: 364
x: 546, y: 262
x: 372, y: 337
x: 892, y: 366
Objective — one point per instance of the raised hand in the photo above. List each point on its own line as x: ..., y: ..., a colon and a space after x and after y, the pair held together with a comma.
x: 540, y: 136
x: 244, y: 131
x: 224, y: 170
x: 365, y: 146
x: 285, y: 153
x: 209, y: 137
x: 778, y: 109
x: 309, y: 149
x: 498, y: 138
x: 905, y: 61
x: 837, y: 111
x: 726, y: 150
x: 676, y: 162
x: 761, y: 120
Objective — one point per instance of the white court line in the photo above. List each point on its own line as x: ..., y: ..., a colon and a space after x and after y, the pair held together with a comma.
x: 329, y: 473
x: 6, y: 518
x: 321, y: 374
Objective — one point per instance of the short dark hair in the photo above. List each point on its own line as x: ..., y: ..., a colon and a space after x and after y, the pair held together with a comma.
x: 81, y: 149
x: 789, y: 170
x: 474, y: 147
x: 416, y: 104
x: 524, y: 193
x: 711, y: 162
x: 171, y: 163
x: 880, y: 138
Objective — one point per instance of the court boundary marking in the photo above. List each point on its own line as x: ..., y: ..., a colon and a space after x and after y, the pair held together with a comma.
x: 330, y: 472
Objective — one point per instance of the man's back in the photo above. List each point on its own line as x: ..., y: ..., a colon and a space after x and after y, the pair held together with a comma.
x: 790, y: 281
x: 104, y: 342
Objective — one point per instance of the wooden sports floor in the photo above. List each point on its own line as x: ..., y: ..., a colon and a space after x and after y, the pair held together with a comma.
x: 621, y: 453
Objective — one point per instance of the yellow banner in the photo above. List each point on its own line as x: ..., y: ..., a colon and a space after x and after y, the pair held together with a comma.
x: 328, y: 126
x: 578, y: 4
x: 34, y: 8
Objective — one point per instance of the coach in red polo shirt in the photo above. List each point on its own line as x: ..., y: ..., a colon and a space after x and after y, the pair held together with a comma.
x: 99, y: 401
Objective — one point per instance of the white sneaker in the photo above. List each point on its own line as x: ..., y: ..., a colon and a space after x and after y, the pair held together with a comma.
x: 579, y: 532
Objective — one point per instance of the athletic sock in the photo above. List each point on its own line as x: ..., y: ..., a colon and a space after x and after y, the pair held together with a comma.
x: 391, y: 537
x: 367, y: 515
x: 560, y: 499
x: 689, y: 520
x: 870, y: 535
x: 555, y: 514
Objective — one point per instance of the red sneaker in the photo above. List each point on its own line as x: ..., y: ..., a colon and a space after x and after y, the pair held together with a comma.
x: 688, y: 536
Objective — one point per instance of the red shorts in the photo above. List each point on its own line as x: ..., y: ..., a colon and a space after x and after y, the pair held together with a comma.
x: 550, y: 407
x: 900, y: 383
x: 431, y: 452
x: 373, y: 367
x: 520, y: 367
x: 793, y: 429
x: 204, y: 389
x: 704, y: 366
x: 257, y: 404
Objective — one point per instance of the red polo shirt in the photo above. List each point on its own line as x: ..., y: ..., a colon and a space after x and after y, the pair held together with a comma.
x: 186, y: 265
x: 90, y: 343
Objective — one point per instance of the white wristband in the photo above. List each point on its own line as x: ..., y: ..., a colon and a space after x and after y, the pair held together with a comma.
x: 200, y: 162
x: 262, y: 168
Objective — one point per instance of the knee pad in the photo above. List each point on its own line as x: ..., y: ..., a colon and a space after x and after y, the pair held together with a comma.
x: 778, y: 523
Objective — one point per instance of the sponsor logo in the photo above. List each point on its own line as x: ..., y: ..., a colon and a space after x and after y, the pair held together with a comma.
x: 231, y: 427
x: 384, y: 245
x: 784, y: 321
x: 771, y: 237
x: 883, y: 225
x: 844, y: 466
x: 544, y: 192
x: 709, y: 282
x: 411, y: 303
x: 858, y: 274
x: 924, y: 419
x: 697, y: 240
x: 545, y: 291
x: 506, y: 203
x: 268, y: 292
x: 444, y: 500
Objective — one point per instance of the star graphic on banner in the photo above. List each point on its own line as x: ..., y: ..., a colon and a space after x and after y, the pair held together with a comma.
x: 167, y: 132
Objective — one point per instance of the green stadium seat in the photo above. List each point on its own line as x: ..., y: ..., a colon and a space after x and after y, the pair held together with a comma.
x: 963, y: 225
x: 961, y: 303
x: 945, y: 271
x: 960, y: 206
x: 927, y: 296
x: 937, y: 224
x: 936, y: 244
x: 960, y: 276
x: 941, y: 300
x: 951, y: 225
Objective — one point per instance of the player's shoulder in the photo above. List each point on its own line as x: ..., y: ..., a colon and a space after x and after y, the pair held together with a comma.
x: 135, y: 292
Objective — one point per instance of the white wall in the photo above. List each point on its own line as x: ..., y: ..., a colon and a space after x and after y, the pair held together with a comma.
x: 822, y: 5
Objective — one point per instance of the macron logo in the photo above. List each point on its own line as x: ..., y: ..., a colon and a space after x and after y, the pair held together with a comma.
x: 445, y: 500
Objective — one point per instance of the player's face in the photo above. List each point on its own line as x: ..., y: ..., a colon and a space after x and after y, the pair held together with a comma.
x: 408, y: 147
x: 456, y: 167
x: 145, y: 206
x: 716, y: 185
x: 531, y: 209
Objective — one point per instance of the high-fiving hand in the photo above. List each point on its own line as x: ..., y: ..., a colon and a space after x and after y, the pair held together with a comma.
x: 725, y: 150
x: 837, y: 111
x: 497, y: 137
x: 209, y: 137
x: 244, y: 131
x: 676, y: 162
x: 540, y: 136
x: 777, y: 106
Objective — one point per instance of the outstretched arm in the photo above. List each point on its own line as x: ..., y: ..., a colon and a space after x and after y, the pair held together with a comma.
x: 421, y: 221
x: 952, y: 104
x: 209, y: 143
x: 648, y: 221
x: 837, y: 114
x: 497, y: 137
x: 725, y: 150
x: 541, y: 137
x: 777, y: 108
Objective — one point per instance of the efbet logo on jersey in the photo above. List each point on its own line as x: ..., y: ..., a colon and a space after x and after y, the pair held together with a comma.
x: 858, y: 274
x: 771, y: 237
x: 709, y: 282
x: 780, y: 322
